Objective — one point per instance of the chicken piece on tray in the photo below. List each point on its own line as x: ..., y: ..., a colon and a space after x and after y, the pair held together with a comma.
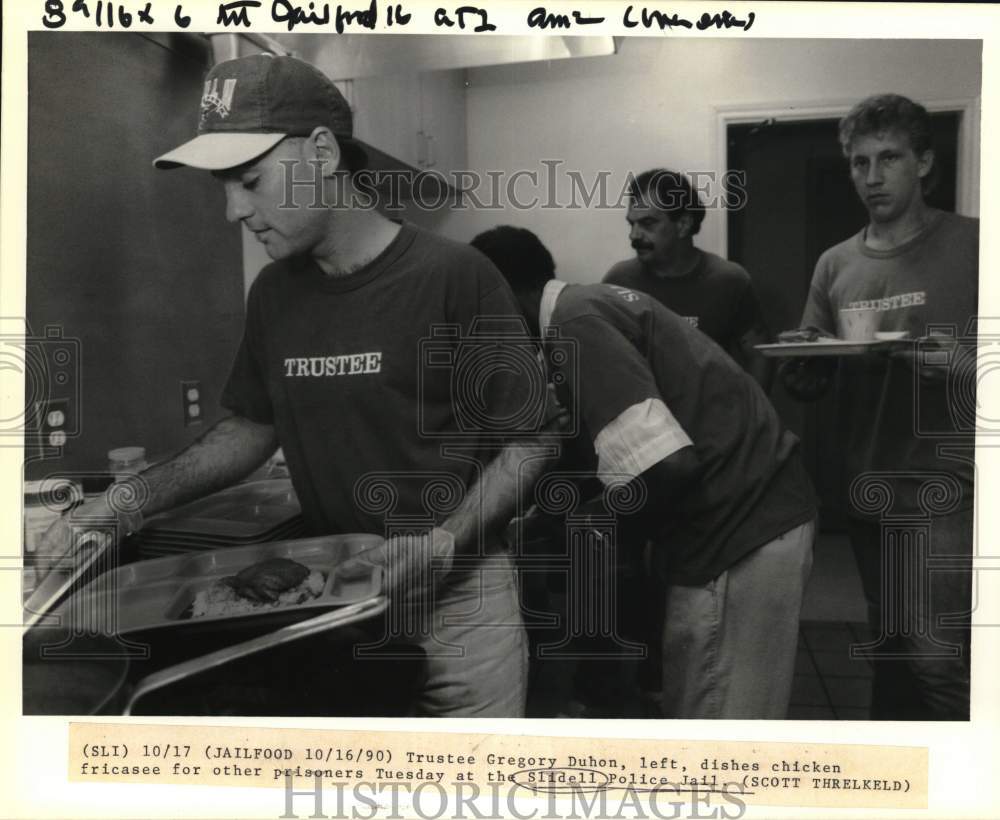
x: 803, y: 334
x: 269, y: 583
x: 266, y: 580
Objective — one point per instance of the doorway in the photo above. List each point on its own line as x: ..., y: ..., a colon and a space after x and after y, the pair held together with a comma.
x: 800, y: 201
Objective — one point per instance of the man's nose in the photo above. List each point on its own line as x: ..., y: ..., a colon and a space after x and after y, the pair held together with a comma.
x: 634, y: 232
x: 874, y: 175
x: 237, y: 206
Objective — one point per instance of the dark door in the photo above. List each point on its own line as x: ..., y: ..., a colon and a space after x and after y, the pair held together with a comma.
x: 799, y: 202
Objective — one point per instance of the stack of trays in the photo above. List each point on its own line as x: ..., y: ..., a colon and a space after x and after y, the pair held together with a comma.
x: 250, y: 513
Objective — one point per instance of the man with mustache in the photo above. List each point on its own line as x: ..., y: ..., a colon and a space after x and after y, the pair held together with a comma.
x: 919, y: 268
x: 713, y: 294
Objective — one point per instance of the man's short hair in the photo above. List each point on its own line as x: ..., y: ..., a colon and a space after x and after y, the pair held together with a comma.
x: 671, y: 192
x: 890, y: 112
x: 887, y: 112
x: 353, y: 157
x: 519, y: 255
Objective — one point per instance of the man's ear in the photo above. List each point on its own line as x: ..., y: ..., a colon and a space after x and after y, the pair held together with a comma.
x: 323, y: 147
x: 925, y: 162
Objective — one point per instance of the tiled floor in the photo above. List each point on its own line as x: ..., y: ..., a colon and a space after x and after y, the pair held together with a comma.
x: 834, y: 590
x: 829, y: 684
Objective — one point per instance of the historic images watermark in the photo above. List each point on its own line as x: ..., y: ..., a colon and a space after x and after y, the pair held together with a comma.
x: 94, y: 535
x: 516, y: 797
x: 500, y: 386
x: 961, y: 360
x: 549, y: 186
x: 48, y: 364
x: 500, y: 381
x: 582, y: 556
x: 921, y: 539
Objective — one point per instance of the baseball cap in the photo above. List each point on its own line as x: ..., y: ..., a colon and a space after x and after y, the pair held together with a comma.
x: 250, y: 104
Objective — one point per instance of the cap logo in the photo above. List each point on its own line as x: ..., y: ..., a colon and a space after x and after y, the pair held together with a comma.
x: 214, y: 103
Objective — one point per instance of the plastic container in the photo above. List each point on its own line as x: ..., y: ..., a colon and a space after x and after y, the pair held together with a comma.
x: 126, y: 461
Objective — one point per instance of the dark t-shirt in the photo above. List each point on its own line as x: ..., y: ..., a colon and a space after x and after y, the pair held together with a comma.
x: 717, y: 297
x: 356, y: 381
x: 894, y: 420
x: 648, y: 384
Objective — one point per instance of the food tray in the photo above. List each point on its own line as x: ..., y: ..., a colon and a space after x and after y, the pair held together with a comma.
x: 183, y: 542
x: 154, y: 595
x: 831, y: 347
x: 246, y: 512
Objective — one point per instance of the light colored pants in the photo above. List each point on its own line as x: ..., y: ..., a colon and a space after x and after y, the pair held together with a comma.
x: 729, y: 646
x: 477, y: 648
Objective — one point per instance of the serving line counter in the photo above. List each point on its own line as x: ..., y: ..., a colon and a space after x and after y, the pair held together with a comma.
x: 143, y: 637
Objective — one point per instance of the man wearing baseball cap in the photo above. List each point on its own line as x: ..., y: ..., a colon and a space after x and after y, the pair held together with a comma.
x: 251, y: 104
x: 330, y: 370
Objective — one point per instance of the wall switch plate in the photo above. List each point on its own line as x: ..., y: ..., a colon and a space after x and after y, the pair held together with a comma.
x: 191, y: 401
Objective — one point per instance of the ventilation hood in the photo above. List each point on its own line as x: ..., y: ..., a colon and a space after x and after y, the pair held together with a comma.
x: 352, y: 56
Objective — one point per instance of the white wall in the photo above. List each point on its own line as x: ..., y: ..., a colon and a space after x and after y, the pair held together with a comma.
x: 654, y: 104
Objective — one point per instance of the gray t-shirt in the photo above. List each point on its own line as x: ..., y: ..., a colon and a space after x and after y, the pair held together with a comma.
x: 645, y: 384
x: 895, y: 421
x: 355, y: 381
x: 717, y: 297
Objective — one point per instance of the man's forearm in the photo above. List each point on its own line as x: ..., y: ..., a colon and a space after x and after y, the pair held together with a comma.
x: 229, y: 451
x: 502, y: 489
x: 225, y: 454
x: 488, y: 505
x: 664, y: 486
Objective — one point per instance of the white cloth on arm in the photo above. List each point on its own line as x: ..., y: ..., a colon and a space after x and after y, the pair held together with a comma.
x: 550, y: 295
x: 643, y: 435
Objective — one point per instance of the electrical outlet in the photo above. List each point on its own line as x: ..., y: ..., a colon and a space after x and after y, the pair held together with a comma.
x: 191, y: 402
x: 55, y: 425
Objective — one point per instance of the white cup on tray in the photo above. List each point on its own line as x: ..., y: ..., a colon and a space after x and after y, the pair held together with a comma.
x: 858, y: 324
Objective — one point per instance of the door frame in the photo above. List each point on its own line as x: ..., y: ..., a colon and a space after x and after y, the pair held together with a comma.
x: 966, y: 172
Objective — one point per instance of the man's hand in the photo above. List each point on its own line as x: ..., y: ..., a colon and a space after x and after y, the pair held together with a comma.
x: 58, y: 539
x: 411, y: 564
x: 928, y: 372
x: 936, y: 357
x: 536, y: 526
x: 807, y: 379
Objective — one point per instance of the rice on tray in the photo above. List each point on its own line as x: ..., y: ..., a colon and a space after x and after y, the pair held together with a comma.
x: 221, y: 599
